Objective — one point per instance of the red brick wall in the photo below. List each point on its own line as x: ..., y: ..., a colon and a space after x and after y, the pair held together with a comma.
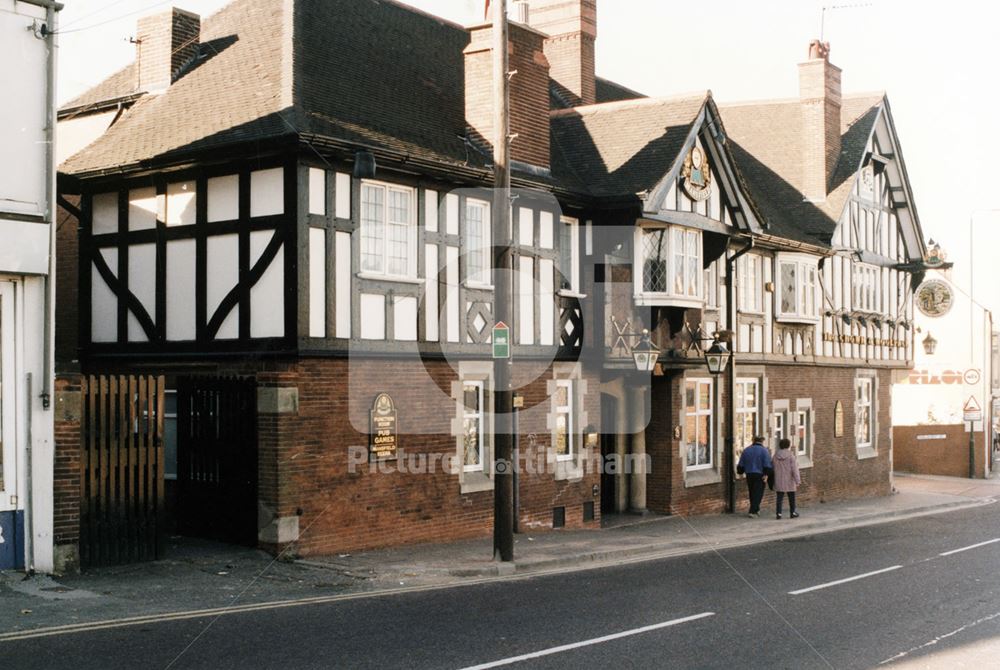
x: 66, y: 475
x: 67, y: 291
x: 837, y: 472
x: 529, y: 92
x: 345, y: 511
x: 948, y: 456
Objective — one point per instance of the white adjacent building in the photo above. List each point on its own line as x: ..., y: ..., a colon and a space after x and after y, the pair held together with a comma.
x: 27, y: 205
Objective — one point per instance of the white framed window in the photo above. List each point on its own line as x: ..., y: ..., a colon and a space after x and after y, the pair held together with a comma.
x: 669, y: 259
x: 565, y: 429
x: 478, y: 242
x: 472, y: 426
x: 699, y: 445
x: 867, y: 288
x: 473, y: 397
x: 864, y: 412
x: 569, y: 254
x: 747, y: 406
x: 388, y: 230
x: 712, y: 286
x: 803, y: 427
x: 750, y: 277
x: 779, y: 420
x: 798, y: 295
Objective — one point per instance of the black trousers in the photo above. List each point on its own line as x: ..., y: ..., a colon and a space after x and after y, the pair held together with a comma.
x: 791, y: 501
x: 755, y: 484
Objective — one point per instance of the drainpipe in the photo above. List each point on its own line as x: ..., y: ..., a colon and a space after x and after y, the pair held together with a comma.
x: 50, y: 199
x: 731, y: 324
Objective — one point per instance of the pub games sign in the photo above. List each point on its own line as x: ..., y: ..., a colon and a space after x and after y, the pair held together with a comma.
x: 382, y: 437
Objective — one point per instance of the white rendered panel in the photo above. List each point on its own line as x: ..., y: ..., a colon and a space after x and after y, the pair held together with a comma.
x: 103, y: 302
x: 372, y: 316
x: 267, y: 192
x: 451, y: 212
x: 432, y: 313
x: 525, y: 226
x: 181, y: 203
x: 223, y: 275
x: 405, y: 318
x: 267, y: 297
x: 671, y: 200
x: 546, y: 303
x: 224, y: 198
x: 141, y: 284
x: 342, y: 287
x: 342, y: 193
x: 317, y: 191
x: 431, y: 210
x: 451, y: 294
x: 180, y: 290
x: 545, y: 230
x: 104, y: 213
x: 317, y: 282
x: 526, y: 302
x: 757, y: 339
x: 142, y: 208
x: 714, y: 202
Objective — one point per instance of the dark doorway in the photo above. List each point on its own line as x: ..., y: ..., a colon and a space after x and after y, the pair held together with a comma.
x: 217, y: 458
x: 609, y: 420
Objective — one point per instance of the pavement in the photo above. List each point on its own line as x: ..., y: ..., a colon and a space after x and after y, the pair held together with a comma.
x: 197, y: 575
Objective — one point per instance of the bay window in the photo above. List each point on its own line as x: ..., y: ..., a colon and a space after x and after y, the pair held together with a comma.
x: 798, y: 294
x: 388, y: 230
x: 669, y: 262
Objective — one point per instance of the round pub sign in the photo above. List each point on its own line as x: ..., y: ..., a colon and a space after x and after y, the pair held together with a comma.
x: 382, y: 440
x: 935, y: 298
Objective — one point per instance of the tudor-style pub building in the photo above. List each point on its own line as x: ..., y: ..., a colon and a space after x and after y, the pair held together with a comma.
x: 294, y: 198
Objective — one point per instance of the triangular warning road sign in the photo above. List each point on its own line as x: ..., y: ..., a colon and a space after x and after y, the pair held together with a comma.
x: 972, y: 405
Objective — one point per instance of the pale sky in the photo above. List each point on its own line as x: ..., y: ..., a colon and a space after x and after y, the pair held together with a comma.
x: 936, y: 61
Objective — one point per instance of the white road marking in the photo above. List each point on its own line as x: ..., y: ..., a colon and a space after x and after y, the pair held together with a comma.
x: 971, y: 546
x: 843, y: 581
x: 941, y: 637
x: 587, y: 643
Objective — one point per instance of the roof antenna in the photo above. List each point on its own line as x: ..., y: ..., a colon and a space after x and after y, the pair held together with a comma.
x: 822, y: 15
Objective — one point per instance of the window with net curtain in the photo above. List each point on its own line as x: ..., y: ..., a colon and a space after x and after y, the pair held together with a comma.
x: 698, y: 440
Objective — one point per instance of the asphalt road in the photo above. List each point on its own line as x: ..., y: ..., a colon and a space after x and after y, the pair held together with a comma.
x: 718, y: 610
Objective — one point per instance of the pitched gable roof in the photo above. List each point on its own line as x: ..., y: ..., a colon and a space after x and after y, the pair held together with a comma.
x: 619, y: 149
x: 376, y: 73
x: 766, y: 138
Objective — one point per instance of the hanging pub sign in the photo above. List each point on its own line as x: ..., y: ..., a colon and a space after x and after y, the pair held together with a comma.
x: 382, y: 437
x: 935, y: 298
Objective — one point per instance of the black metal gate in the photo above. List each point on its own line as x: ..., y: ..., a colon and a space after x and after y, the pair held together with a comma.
x: 217, y: 458
x: 121, y: 469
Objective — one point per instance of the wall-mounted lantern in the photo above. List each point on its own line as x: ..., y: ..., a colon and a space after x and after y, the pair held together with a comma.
x: 930, y: 344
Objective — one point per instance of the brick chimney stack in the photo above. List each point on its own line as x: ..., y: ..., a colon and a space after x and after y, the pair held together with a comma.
x: 820, y: 98
x: 572, y: 29
x: 166, y: 43
x: 529, y: 92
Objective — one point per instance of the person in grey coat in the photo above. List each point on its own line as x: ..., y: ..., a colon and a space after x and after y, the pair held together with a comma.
x: 786, y: 477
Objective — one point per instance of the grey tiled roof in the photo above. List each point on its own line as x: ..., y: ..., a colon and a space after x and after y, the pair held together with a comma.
x: 622, y: 148
x: 766, y: 138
